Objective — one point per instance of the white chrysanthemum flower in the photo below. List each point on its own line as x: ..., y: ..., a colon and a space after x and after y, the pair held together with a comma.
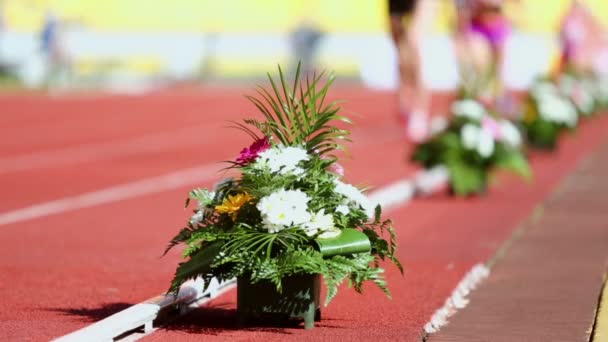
x: 475, y: 138
x: 343, y: 209
x: 469, y: 134
x: 284, y: 208
x: 557, y: 109
x: 319, y: 222
x: 485, y: 145
x: 543, y: 89
x: 196, y: 218
x: 282, y: 159
x: 510, y: 134
x: 354, y: 196
x: 468, y: 108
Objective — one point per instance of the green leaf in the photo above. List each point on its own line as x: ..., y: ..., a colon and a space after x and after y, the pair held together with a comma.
x: 350, y: 241
x: 466, y: 179
x: 516, y: 162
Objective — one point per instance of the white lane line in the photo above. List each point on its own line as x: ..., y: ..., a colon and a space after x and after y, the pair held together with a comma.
x: 458, y: 299
x: 105, y: 150
x: 191, y: 295
x: 116, y: 193
x: 393, y: 194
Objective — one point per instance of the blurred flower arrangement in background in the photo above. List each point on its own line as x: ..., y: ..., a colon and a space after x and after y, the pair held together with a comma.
x: 474, y: 143
x: 547, y: 113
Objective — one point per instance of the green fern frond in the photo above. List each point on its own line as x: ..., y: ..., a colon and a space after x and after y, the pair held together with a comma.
x: 199, y: 264
x: 183, y: 236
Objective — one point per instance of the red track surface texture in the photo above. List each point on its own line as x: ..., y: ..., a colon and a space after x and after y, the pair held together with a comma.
x: 61, y: 272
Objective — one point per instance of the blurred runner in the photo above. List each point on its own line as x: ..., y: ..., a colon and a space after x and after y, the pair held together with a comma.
x: 485, y: 19
x: 583, y: 41
x: 473, y: 55
x: 408, y: 21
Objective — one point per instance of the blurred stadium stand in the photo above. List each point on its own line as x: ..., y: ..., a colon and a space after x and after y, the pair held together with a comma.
x: 124, y: 41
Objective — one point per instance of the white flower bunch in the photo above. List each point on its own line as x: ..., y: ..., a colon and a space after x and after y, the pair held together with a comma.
x: 509, y: 133
x: 469, y: 108
x: 475, y: 138
x: 289, y: 208
x: 322, y: 224
x: 558, y: 110
x: 579, y: 91
x: 284, y: 208
x: 482, y: 134
x: 282, y: 160
x: 544, y: 88
x: 354, y: 197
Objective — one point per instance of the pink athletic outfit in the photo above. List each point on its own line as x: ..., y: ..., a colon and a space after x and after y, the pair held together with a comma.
x: 486, y: 19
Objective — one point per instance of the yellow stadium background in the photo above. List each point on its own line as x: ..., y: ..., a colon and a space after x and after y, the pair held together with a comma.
x: 257, y: 15
x: 253, y: 16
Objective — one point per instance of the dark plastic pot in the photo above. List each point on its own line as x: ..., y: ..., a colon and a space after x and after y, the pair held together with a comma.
x: 300, y: 299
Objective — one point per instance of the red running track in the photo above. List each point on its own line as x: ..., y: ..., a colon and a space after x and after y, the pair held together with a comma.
x: 64, y: 271
x: 61, y: 272
x: 440, y: 238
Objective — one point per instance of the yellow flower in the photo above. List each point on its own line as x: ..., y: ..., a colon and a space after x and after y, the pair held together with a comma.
x: 232, y: 204
x: 530, y: 113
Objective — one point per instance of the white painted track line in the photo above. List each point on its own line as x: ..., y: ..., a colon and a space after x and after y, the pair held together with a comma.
x: 143, y: 314
x: 458, y: 299
x: 169, y: 181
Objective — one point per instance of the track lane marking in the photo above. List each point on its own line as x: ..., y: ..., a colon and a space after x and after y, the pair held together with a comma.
x: 147, y: 186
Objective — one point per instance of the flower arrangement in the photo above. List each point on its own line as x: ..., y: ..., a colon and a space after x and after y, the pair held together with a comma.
x: 473, y: 143
x: 290, y: 212
x: 547, y: 113
x: 600, y: 91
x: 579, y: 90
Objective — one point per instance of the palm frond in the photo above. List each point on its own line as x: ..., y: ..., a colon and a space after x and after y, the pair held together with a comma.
x: 297, y: 114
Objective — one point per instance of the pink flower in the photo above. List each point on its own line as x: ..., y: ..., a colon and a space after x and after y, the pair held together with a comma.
x: 336, y: 168
x: 490, y: 125
x: 249, y: 154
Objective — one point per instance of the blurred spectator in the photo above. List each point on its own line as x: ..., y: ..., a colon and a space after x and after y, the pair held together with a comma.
x: 57, y: 61
x: 408, y: 21
x: 3, y: 67
x: 305, y: 40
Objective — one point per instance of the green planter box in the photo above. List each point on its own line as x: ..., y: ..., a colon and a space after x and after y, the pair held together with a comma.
x: 261, y: 301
